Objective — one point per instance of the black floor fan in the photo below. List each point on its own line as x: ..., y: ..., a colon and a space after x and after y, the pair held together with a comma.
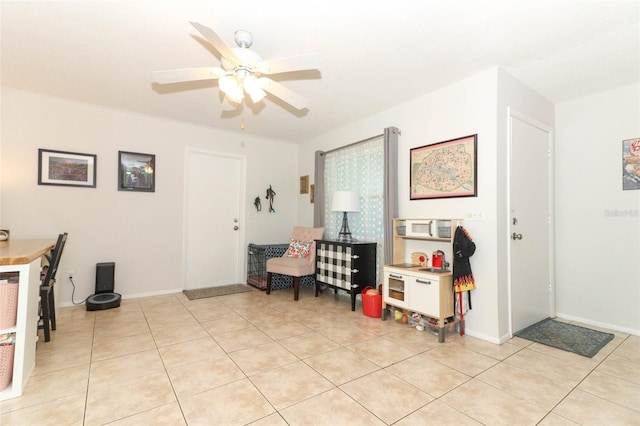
x: 104, y: 298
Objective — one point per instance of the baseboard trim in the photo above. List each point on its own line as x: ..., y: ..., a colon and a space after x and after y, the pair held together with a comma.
x: 599, y: 324
x: 132, y: 296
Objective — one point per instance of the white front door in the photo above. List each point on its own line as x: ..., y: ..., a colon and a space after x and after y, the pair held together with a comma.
x: 530, y: 223
x: 213, y: 227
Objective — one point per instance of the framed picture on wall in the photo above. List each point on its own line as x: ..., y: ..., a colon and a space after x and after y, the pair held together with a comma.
x: 66, y: 168
x: 631, y: 164
x: 304, y: 184
x: 136, y: 172
x: 444, y: 169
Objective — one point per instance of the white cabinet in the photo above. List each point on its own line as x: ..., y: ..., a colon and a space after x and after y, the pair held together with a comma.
x: 413, y: 290
x: 21, y: 258
x: 26, y: 329
x: 395, y: 288
x: 433, y: 296
x: 425, y: 294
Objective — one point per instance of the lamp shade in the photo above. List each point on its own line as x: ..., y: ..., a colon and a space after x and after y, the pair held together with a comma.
x: 252, y: 87
x: 345, y: 201
x: 231, y: 87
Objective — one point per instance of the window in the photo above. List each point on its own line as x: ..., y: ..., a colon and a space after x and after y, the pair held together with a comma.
x: 370, y: 168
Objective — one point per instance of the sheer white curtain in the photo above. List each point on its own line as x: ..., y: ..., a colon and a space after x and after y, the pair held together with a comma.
x: 359, y: 168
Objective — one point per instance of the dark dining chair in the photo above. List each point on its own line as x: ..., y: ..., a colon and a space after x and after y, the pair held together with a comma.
x: 47, y: 301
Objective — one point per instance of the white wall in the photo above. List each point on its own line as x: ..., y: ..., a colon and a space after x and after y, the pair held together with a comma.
x: 474, y: 105
x: 461, y: 109
x: 598, y: 227
x: 588, y: 134
x: 141, y: 232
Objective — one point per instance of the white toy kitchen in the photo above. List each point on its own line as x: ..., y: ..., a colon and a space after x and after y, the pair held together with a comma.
x: 420, y: 279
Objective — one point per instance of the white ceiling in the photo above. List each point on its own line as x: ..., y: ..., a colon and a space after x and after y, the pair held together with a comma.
x: 374, y: 54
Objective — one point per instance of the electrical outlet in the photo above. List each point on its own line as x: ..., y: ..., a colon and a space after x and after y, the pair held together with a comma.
x: 474, y: 216
x: 70, y: 274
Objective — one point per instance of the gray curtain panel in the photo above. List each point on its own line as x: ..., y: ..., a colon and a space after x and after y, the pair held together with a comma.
x: 318, y: 206
x: 390, y: 187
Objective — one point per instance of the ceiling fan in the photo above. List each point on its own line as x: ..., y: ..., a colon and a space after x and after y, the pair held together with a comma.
x: 242, y: 71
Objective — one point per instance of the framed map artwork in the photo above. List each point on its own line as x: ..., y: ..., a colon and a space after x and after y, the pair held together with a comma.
x: 444, y: 169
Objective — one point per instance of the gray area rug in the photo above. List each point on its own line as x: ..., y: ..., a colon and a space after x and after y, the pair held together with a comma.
x: 568, y: 337
x: 223, y: 290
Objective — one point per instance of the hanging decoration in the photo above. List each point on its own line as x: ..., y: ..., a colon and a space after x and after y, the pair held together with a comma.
x: 463, y: 248
x: 270, y: 195
x: 257, y: 203
x: 463, y: 281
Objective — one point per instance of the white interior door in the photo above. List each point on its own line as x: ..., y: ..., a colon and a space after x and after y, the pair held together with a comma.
x: 213, y: 226
x: 530, y: 227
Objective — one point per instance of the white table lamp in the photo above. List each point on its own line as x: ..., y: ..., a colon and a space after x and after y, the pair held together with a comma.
x: 345, y: 201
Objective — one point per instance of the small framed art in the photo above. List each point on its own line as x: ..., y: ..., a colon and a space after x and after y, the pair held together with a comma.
x: 136, y: 172
x: 631, y: 164
x: 66, y: 168
x: 304, y: 184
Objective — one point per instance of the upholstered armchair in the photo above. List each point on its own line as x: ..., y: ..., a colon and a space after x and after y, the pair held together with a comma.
x: 299, y: 260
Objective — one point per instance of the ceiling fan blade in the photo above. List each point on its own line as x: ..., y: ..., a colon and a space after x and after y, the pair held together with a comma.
x: 289, y: 64
x: 217, y: 43
x: 187, y: 74
x: 281, y: 92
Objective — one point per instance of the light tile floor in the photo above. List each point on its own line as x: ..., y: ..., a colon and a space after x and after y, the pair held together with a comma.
x: 266, y: 360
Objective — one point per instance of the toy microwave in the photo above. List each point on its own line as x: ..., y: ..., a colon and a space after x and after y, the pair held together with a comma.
x: 422, y: 228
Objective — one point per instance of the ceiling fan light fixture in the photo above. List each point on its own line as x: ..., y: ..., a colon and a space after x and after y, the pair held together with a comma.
x: 232, y: 88
x: 242, y: 71
x: 253, y: 88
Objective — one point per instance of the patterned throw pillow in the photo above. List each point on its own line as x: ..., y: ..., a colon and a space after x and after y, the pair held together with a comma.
x: 299, y: 249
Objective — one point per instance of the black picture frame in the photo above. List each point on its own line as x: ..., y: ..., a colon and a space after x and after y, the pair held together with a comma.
x: 136, y: 172
x: 445, y: 169
x: 64, y: 168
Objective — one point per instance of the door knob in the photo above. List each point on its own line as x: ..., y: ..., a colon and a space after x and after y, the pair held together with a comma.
x: 515, y: 236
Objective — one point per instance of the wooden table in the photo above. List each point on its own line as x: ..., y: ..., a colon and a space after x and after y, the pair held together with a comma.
x: 20, y: 260
x: 20, y: 252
